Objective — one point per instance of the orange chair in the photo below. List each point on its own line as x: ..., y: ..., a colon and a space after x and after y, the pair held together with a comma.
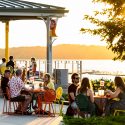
x: 48, y: 98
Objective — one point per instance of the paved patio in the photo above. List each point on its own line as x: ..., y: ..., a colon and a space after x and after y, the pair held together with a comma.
x: 29, y: 120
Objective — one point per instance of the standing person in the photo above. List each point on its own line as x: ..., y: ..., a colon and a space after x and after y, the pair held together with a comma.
x: 4, y: 82
x: 3, y: 62
x: 32, y: 68
x: 16, y: 85
x: 85, y: 89
x: 3, y: 66
x: 119, y: 93
x: 47, y: 82
x: 11, y: 62
x: 72, y: 93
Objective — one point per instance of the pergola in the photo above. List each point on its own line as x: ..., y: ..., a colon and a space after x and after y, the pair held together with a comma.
x: 24, y: 10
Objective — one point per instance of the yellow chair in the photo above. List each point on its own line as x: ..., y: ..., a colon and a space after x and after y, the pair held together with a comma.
x: 2, y: 70
x: 117, y: 111
x: 59, y: 92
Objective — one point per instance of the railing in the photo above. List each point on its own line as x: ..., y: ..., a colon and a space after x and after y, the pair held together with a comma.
x: 77, y: 66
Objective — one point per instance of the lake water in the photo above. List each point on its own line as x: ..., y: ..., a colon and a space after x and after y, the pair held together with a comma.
x: 88, y: 67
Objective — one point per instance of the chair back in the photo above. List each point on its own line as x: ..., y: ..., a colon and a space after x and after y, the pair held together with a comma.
x: 82, y: 102
x: 59, y: 92
x: 49, y: 95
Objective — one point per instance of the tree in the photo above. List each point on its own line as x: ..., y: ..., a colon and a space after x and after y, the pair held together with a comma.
x: 112, y: 27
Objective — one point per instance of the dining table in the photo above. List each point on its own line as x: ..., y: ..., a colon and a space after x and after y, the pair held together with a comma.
x: 35, y: 90
x: 100, y: 102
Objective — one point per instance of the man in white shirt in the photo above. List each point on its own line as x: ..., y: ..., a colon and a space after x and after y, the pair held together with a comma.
x: 16, y: 85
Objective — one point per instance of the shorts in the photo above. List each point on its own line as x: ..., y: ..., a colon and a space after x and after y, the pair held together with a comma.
x: 19, y: 98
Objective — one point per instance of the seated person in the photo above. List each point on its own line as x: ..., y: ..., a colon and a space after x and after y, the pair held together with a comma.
x: 16, y: 85
x: 47, y: 85
x: 47, y: 82
x: 111, y: 105
x: 4, y: 82
x: 72, y: 94
x: 3, y: 66
x: 85, y: 89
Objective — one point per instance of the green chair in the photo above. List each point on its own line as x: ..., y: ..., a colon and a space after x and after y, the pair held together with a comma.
x: 82, y: 102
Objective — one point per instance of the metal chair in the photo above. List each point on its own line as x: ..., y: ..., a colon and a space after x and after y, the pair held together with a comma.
x: 47, y: 99
x: 59, y: 92
x: 11, y: 100
x: 59, y: 100
x: 83, y: 105
x: 5, y: 104
x: 116, y: 112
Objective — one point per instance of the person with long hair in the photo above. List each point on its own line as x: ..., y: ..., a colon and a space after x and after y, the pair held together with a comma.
x: 47, y: 82
x: 119, y: 93
x: 85, y: 89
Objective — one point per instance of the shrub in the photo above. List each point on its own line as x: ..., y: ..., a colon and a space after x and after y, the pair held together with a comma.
x: 65, y: 96
x: 108, y: 84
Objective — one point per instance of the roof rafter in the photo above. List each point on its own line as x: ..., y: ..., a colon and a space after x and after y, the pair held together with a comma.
x: 20, y: 9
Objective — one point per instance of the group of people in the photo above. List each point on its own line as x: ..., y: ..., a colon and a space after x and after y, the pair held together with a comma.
x: 84, y: 88
x: 19, y: 92
x: 4, y: 65
x: 74, y: 89
x: 16, y: 86
x: 11, y: 66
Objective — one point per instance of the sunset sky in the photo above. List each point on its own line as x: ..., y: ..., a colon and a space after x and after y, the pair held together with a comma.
x: 33, y: 33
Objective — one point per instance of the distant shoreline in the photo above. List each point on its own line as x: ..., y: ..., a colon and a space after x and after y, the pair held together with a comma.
x: 63, y: 51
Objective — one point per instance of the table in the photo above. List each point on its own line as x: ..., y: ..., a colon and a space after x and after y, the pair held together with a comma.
x: 100, y: 102
x: 35, y: 93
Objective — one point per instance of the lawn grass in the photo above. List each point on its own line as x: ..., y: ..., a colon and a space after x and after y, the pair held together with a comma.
x: 109, y: 120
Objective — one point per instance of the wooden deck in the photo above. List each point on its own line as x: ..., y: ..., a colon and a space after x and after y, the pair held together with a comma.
x: 28, y: 120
